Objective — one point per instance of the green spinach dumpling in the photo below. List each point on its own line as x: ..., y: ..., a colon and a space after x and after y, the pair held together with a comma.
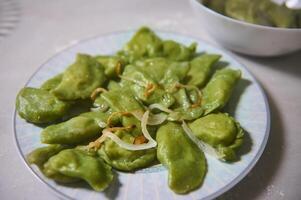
x: 40, y: 155
x: 77, y: 130
x: 219, y: 89
x: 123, y: 159
x: 144, y: 44
x: 80, y: 79
x: 76, y: 164
x: 40, y: 106
x: 200, y: 68
x: 220, y: 131
x: 185, y: 162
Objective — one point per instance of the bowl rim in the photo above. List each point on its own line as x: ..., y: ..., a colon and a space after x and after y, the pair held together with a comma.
x: 271, y: 28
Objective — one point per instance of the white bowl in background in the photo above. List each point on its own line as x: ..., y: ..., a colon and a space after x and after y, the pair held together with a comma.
x: 246, y: 38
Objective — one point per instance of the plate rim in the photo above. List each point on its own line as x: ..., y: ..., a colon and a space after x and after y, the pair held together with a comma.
x: 225, y: 52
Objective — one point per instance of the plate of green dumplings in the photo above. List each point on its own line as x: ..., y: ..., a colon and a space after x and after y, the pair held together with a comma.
x: 141, y: 115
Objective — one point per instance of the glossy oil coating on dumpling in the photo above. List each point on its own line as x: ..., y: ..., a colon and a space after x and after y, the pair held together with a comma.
x: 185, y: 162
x: 123, y: 159
x: 219, y: 89
x: 80, y: 79
x: 75, y: 163
x: 41, y: 155
x: 220, y: 131
x: 40, y: 106
x: 78, y: 130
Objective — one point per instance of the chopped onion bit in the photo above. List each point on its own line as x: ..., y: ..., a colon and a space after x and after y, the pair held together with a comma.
x: 134, y: 147
x: 154, y: 119
x: 140, y: 140
x: 101, y: 108
x: 149, y: 89
x: 206, y: 148
x: 125, y: 145
x: 144, y: 128
x: 96, y: 92
x: 197, y: 104
x: 97, y: 143
x: 95, y: 109
x: 101, y: 124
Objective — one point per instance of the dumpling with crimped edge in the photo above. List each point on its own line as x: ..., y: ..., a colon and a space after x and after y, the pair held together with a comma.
x: 221, y: 132
x: 200, y: 69
x: 40, y: 155
x: 75, y: 163
x: 39, y: 106
x: 144, y: 44
x: 218, y: 90
x: 80, y: 79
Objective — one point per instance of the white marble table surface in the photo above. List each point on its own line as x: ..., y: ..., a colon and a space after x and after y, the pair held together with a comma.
x: 33, y: 31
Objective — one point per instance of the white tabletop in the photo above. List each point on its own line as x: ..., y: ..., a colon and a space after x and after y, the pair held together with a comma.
x: 37, y: 30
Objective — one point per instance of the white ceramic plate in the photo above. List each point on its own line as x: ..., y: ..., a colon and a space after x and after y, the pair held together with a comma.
x: 248, y: 104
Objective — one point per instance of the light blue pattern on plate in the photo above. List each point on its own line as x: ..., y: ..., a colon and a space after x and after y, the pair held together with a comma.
x: 250, y: 108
